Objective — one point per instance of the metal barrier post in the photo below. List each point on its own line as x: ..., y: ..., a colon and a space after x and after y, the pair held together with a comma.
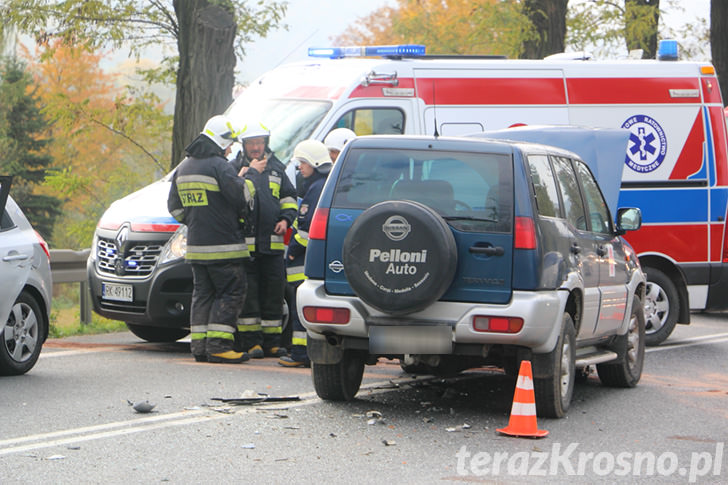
x: 68, y: 266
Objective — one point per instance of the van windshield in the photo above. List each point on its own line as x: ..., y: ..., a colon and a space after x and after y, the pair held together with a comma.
x: 289, y: 120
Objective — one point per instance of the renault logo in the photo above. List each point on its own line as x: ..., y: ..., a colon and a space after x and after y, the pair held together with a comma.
x: 396, y: 228
x: 121, y: 239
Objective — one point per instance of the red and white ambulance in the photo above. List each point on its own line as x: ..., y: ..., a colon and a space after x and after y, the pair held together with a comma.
x: 675, y: 166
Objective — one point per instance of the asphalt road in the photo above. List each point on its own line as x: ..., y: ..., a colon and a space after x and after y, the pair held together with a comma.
x: 69, y: 421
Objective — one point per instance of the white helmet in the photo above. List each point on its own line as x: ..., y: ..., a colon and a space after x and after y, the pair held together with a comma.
x: 253, y: 130
x: 336, y: 139
x: 314, y: 153
x: 220, y: 129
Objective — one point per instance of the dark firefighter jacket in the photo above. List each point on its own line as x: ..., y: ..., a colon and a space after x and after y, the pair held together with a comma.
x: 275, y: 200
x: 208, y: 196
x: 299, y: 240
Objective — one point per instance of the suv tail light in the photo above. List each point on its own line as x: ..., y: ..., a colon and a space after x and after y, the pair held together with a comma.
x: 525, y: 236
x: 482, y: 323
x: 43, y: 245
x: 322, y: 314
x: 318, y: 224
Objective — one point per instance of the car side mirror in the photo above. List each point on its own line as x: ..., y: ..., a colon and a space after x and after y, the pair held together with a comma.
x: 628, y: 219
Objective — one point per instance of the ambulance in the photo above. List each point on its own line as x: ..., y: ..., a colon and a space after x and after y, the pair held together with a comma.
x: 674, y: 169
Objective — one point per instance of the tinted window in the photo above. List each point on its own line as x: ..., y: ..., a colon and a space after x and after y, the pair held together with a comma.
x: 544, y: 186
x: 598, y: 212
x: 473, y: 192
x: 373, y: 121
x: 570, y: 194
x: 5, y: 221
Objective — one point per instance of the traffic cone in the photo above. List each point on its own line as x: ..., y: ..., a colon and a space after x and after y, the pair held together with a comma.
x: 523, y: 412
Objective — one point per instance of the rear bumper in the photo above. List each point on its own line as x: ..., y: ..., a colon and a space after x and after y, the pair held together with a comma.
x: 541, y: 313
x: 161, y: 300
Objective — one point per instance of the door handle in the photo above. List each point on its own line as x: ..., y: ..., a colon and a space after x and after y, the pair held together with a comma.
x: 601, y: 251
x: 575, y: 248
x: 16, y: 257
x: 488, y: 250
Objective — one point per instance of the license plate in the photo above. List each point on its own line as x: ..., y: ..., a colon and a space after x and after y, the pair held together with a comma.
x: 112, y: 291
x: 410, y: 339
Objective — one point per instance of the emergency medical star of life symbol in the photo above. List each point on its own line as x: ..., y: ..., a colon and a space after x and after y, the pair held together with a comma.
x: 647, y: 143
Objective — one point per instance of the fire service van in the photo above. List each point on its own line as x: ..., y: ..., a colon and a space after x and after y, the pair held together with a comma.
x: 674, y: 169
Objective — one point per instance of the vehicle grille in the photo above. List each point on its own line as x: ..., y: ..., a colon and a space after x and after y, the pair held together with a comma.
x: 139, y: 260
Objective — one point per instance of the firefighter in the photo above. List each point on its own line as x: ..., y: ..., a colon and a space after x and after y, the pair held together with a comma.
x: 211, y: 200
x: 314, y: 163
x: 260, y: 323
x: 335, y: 141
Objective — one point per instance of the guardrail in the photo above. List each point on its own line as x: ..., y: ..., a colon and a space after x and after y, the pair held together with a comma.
x: 69, y: 266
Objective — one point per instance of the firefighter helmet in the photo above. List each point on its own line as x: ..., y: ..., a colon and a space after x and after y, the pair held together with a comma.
x: 314, y: 153
x: 253, y: 129
x: 220, y: 129
x: 336, y: 139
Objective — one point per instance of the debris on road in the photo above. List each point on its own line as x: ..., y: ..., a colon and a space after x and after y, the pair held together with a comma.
x: 258, y: 398
x: 141, y: 406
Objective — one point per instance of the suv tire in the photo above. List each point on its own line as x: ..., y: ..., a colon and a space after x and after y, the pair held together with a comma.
x: 401, y: 230
x: 157, y: 334
x: 630, y: 348
x: 340, y: 381
x: 661, y: 303
x: 553, y: 393
x: 22, y: 337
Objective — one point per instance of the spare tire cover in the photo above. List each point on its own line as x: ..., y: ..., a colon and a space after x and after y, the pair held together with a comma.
x: 399, y: 256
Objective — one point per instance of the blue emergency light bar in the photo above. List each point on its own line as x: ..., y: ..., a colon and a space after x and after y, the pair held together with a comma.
x: 667, y: 50
x: 402, y: 50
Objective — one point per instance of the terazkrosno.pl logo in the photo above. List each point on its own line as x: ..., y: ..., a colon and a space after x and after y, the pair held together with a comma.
x: 647, y: 143
x: 396, y: 228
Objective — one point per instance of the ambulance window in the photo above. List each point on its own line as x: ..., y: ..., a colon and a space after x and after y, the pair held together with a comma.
x: 598, y: 212
x: 570, y: 195
x: 544, y: 186
x: 373, y: 121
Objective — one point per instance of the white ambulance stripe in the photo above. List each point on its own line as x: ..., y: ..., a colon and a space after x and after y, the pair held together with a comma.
x: 523, y: 409
x: 524, y: 382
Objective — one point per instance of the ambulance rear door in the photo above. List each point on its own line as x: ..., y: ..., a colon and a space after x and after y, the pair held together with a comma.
x: 471, y: 100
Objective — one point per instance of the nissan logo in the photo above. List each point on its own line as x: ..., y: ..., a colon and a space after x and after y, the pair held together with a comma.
x: 396, y: 228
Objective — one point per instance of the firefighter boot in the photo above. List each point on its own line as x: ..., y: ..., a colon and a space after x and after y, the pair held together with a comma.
x: 256, y: 352
x: 229, y: 357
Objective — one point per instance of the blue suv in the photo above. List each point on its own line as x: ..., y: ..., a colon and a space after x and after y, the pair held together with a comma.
x: 453, y: 253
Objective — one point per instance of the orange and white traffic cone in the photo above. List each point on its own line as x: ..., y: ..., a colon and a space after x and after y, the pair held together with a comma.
x: 523, y: 412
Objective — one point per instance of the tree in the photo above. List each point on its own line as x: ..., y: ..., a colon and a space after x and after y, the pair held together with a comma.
x: 610, y: 28
x: 204, y: 34
x: 24, y: 154
x: 445, y: 26
x: 719, y: 43
x: 549, y: 21
x: 641, y: 19
x: 97, y: 130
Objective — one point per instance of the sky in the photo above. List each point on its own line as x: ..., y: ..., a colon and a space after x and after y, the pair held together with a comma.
x: 316, y: 22
x: 310, y: 23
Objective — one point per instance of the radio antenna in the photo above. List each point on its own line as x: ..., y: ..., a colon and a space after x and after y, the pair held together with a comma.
x: 434, y: 107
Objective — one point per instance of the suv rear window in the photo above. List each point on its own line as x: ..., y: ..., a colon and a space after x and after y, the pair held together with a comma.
x: 472, y: 191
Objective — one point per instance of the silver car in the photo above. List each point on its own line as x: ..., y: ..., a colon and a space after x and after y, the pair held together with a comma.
x: 25, y: 288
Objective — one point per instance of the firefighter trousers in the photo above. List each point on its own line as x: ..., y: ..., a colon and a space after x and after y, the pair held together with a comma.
x: 261, y: 319
x: 218, y: 296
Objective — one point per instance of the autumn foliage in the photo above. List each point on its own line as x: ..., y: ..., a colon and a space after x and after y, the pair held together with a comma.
x: 478, y: 27
x: 99, y: 134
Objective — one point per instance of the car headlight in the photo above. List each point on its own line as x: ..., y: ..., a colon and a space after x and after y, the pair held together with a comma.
x: 176, y: 247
